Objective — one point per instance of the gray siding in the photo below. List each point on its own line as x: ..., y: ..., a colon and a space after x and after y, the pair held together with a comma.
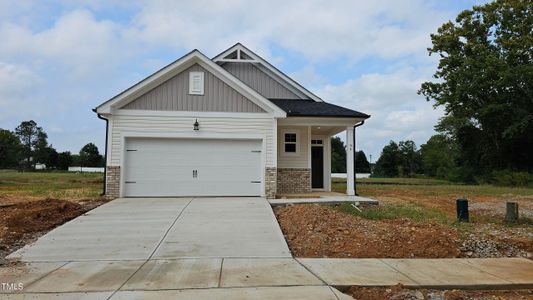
x: 173, y: 95
x: 259, y: 81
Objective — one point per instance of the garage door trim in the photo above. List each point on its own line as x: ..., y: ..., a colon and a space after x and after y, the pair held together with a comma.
x: 191, y: 135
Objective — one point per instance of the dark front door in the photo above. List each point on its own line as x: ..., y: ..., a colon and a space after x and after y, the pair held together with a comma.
x: 317, y: 167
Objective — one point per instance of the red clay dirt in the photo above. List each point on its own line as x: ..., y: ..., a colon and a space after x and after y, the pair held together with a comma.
x: 399, y: 292
x: 22, y: 223
x: 319, y: 231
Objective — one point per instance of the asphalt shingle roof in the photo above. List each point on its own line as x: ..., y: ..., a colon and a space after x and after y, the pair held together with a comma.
x: 311, y: 108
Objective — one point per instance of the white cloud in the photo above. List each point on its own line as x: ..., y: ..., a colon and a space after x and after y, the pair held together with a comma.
x: 61, y: 59
x: 76, y: 42
x: 316, y: 28
x: 397, y: 111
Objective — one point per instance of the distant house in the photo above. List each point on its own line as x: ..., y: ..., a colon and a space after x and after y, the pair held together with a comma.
x: 233, y: 125
x: 39, y: 166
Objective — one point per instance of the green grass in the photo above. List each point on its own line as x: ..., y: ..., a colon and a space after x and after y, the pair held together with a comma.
x: 404, y: 181
x: 398, y: 211
x: 58, y: 185
x: 429, y: 187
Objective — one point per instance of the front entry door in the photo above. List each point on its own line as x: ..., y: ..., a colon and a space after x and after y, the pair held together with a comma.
x: 317, y: 167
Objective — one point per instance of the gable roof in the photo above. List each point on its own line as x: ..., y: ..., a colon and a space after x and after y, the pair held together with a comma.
x: 310, y: 108
x: 254, y: 58
x: 174, y: 68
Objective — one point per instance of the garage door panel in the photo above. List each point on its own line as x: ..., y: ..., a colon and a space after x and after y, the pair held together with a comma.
x: 164, y: 167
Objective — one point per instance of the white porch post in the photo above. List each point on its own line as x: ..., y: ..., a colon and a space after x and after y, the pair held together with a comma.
x: 350, y: 172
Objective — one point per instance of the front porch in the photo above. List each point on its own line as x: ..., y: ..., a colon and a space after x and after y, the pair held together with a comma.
x: 330, y: 198
x: 303, y: 155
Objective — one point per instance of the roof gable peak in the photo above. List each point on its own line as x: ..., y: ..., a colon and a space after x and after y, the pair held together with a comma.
x: 239, y: 53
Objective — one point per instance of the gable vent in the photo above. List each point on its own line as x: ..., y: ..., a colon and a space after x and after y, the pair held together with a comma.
x: 196, y: 83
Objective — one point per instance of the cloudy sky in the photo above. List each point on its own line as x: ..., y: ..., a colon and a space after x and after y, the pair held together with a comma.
x: 60, y: 59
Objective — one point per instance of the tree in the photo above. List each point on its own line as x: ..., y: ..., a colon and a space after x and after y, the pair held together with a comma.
x: 9, y: 149
x: 31, y: 138
x: 89, y: 156
x: 338, y: 155
x: 389, y: 160
x: 76, y: 161
x: 361, y: 163
x: 50, y: 157
x: 409, y: 158
x: 42, y: 151
x: 438, y: 156
x: 64, y: 160
x: 484, y: 81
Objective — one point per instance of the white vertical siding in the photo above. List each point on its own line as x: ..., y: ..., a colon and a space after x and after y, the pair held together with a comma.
x: 162, y: 125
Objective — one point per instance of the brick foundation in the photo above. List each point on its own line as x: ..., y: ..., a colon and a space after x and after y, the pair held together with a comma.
x: 112, y: 190
x: 293, y: 181
x: 271, y: 182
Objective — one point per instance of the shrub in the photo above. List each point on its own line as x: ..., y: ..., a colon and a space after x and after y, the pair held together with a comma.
x: 510, y: 178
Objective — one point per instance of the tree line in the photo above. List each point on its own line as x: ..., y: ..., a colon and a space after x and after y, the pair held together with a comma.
x: 27, y: 146
x: 338, y: 158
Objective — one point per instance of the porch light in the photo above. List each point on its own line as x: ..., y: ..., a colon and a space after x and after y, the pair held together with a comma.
x: 196, y: 125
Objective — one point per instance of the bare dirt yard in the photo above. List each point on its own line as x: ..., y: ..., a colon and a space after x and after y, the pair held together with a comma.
x: 398, y: 292
x: 33, y: 203
x: 416, y: 218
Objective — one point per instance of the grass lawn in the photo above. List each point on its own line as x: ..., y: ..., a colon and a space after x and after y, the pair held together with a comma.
x: 434, y: 200
x: 429, y: 187
x: 20, y: 186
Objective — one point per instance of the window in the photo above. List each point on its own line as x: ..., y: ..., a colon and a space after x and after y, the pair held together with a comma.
x: 316, y: 142
x: 290, y: 142
x: 196, y: 83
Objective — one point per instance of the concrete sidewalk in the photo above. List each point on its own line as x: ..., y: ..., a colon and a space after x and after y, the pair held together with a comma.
x: 266, y: 278
x: 445, y: 273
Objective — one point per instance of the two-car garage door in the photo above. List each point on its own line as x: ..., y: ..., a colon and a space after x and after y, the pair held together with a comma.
x: 192, y: 167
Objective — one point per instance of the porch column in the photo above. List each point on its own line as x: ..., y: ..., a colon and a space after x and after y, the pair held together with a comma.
x: 350, y: 172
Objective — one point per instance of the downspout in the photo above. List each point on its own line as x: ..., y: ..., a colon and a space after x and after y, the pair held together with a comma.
x: 105, y: 155
x: 354, y: 156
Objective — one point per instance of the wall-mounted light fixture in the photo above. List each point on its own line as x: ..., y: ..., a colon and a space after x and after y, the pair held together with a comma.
x: 196, y: 125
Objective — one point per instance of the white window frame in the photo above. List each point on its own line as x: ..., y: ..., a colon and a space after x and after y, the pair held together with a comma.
x: 200, y: 90
x: 297, y: 143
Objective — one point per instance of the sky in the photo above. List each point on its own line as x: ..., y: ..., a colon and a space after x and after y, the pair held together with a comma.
x: 60, y: 59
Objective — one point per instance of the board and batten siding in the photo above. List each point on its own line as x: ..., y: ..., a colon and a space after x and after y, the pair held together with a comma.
x: 173, y: 95
x: 173, y: 126
x: 291, y: 160
x: 259, y: 81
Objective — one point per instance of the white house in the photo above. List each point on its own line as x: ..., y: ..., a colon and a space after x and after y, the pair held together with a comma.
x: 233, y: 125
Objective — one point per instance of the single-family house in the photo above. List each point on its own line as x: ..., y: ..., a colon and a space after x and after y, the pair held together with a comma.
x: 233, y: 125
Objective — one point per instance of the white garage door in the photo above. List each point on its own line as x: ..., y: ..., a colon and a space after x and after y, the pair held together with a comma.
x: 192, y: 167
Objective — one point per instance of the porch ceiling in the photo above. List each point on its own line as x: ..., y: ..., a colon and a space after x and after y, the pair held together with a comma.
x: 327, y: 130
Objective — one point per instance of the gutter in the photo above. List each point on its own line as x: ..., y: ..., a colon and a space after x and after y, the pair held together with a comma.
x: 105, y: 155
x: 354, y: 156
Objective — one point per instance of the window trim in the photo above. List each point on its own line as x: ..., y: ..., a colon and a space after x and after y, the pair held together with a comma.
x: 297, y: 143
x: 201, y: 90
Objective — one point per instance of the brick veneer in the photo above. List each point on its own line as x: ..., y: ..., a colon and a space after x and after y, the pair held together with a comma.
x: 112, y: 182
x: 271, y: 182
x: 293, y: 180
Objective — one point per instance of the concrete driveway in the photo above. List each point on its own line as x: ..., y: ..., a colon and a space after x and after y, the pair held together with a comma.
x: 215, y: 248
x: 145, y: 228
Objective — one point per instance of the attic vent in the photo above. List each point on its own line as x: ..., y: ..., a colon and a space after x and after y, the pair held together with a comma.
x: 196, y: 83
x: 232, y: 55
